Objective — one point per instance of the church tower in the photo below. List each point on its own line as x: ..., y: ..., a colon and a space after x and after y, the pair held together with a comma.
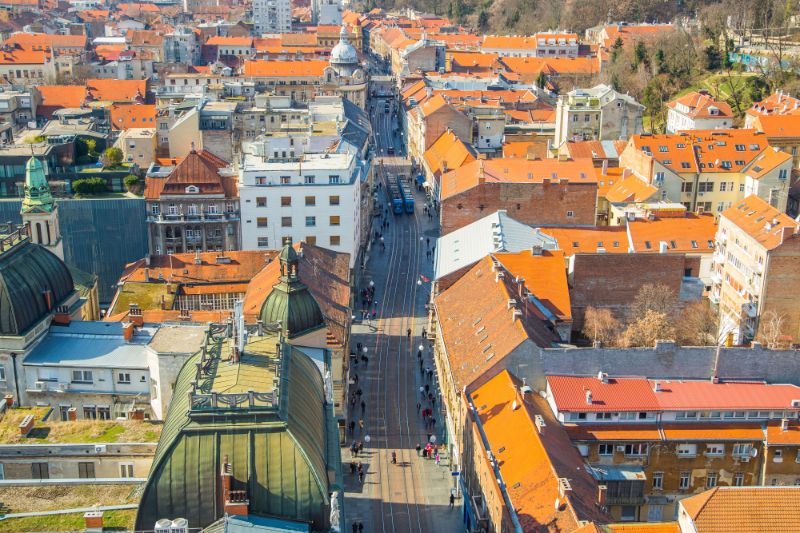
x: 39, y: 210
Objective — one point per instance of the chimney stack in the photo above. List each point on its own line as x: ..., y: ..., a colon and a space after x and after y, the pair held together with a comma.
x: 127, y: 331
x: 9, y: 401
x: 588, y: 397
x: 235, y: 501
x: 136, y: 414
x: 26, y: 425
x: 601, y: 495
x: 72, y: 414
x: 657, y: 386
x: 784, y: 424
x: 605, y: 167
x: 93, y: 521
x: 135, y: 315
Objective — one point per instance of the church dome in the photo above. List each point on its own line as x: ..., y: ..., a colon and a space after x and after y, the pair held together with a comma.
x: 344, y: 53
x: 33, y: 281
x: 290, y: 302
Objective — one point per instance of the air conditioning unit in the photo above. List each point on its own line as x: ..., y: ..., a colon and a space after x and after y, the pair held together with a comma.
x: 63, y: 387
x: 745, y: 458
x: 41, y: 385
x: 99, y: 448
x: 621, y: 448
x: 795, y: 403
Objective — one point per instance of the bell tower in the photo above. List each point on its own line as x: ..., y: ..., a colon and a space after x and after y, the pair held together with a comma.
x: 39, y: 210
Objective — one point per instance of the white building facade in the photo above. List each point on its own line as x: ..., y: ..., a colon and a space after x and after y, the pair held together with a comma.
x: 272, y: 16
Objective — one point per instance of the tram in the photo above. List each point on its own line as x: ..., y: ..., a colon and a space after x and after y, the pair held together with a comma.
x: 396, y: 198
x: 408, y: 196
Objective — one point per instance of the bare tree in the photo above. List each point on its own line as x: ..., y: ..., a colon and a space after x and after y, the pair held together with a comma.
x: 601, y: 325
x: 697, y: 324
x: 653, y: 297
x: 647, y: 329
x: 770, y: 331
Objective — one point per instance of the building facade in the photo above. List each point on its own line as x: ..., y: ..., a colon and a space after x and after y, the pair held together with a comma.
x: 599, y: 113
x: 272, y: 16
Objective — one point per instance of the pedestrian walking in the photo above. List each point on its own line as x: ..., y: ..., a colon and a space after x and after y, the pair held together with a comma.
x: 421, y: 370
x: 452, y: 500
x: 360, y: 424
x: 361, y: 477
x: 418, y: 407
x: 359, y: 392
x: 437, y: 459
x: 355, y: 527
x: 428, y: 241
x: 352, y: 426
x: 422, y: 392
x: 363, y: 407
x: 360, y: 446
x: 424, y: 333
x: 427, y: 388
x: 374, y: 313
x: 394, y: 458
x: 360, y: 527
x: 433, y: 422
x: 409, y: 333
x: 352, y: 468
x: 418, y: 449
x: 419, y: 354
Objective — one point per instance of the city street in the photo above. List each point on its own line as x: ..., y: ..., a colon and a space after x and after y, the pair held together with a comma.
x: 411, y: 494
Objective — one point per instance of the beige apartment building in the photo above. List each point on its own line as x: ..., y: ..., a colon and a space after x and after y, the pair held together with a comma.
x: 755, y: 270
x: 139, y: 146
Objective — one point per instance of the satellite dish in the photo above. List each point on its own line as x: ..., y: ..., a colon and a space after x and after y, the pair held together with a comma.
x: 753, y: 452
x: 367, y: 438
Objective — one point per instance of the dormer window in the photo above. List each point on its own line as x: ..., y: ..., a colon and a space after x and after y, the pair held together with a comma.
x: 192, y: 189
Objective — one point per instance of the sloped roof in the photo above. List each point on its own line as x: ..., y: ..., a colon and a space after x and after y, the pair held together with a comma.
x: 764, y: 223
x: 285, y: 69
x: 700, y: 106
x: 779, y: 126
x: 199, y: 169
x: 448, y: 152
x: 776, y: 104
x: 630, y: 189
x: 691, y: 233
x: 752, y: 509
x: 110, y: 90
x: 574, y: 240
x: 480, y: 333
x: 545, y: 276
x: 532, y: 462
x: 128, y: 116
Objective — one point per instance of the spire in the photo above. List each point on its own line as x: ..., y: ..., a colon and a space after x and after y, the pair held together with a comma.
x: 344, y: 37
x: 37, y: 191
x: 289, y: 262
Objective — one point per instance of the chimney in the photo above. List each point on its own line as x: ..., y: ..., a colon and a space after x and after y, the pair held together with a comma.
x: 127, y: 331
x: 93, y: 521
x: 536, y: 249
x: 784, y: 424
x: 663, y: 247
x: 48, y: 299
x: 235, y: 501
x: 147, y: 275
x: 588, y: 397
x: 72, y: 414
x: 135, y: 315
x: 197, y: 259
x: 9, y: 401
x: 605, y: 167
x: 626, y: 172
x: 136, y: 414
x: 481, y: 173
x: 26, y: 425
x: 786, y: 232
x: 602, y: 377
x: 657, y: 386
x: 601, y: 495
x: 62, y: 316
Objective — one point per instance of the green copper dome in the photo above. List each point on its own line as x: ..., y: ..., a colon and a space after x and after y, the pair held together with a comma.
x: 37, y: 191
x: 290, y: 301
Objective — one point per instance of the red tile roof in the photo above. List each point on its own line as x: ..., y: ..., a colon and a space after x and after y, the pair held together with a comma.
x: 630, y: 189
x: 751, y: 509
x: 779, y: 126
x: 777, y: 436
x: 545, y: 276
x: 637, y: 394
x: 577, y: 240
x: 533, y: 463
x: 285, y: 69
x: 48, y: 40
x: 764, y: 223
x: 55, y: 97
x: 700, y: 105
x: 239, y: 267
x: 448, y: 152
x: 776, y: 104
x: 606, y: 432
x: 199, y: 169
x: 132, y: 116
x: 687, y: 234
x: 110, y: 90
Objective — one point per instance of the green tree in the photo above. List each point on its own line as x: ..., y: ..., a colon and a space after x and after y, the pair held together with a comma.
x: 112, y: 157
x: 541, y: 80
x: 89, y: 186
x: 483, y: 21
x: 640, y: 55
x: 661, y: 61
x: 711, y: 58
x: 616, y: 49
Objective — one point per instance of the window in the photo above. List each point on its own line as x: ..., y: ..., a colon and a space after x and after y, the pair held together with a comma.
x: 286, y: 201
x: 627, y: 416
x: 723, y: 186
x: 261, y: 201
x: 40, y: 471
x: 333, y: 200
x: 587, y: 118
x: 309, y: 180
x: 155, y: 209
x: 603, y: 416
x: 628, y: 513
x: 86, y: 470
x: 605, y: 449
x: 685, y: 164
x: 335, y: 220
x: 659, y: 177
x: 577, y: 416
x: 263, y: 242
x: 311, y: 239
x: 663, y: 148
x: 126, y: 470
x: 570, y: 214
x: 335, y: 240
x: 124, y: 377
x: 636, y: 449
x: 333, y: 179
x: 715, y: 449
x: 740, y: 450
x: 286, y: 222
x: 658, y: 480
x: 311, y: 221
x: 89, y: 412
x: 647, y: 245
x: 740, y: 148
x: 683, y: 481
x: 738, y: 479
x: 687, y: 450
x: 103, y: 413
x: 711, y: 480
x: 286, y: 180
x: 705, y: 186
x: 777, y: 456
x: 262, y: 222
x: 2, y: 373
x: 82, y: 376
x: 311, y: 200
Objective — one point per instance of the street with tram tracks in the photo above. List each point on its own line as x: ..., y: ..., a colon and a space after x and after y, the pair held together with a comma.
x: 412, y: 493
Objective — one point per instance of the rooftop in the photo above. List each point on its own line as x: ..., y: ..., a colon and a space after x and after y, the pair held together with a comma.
x: 54, y: 431
x: 574, y: 240
x: 764, y: 223
x: 638, y: 394
x: 691, y: 233
x: 752, y: 509
x: 701, y: 105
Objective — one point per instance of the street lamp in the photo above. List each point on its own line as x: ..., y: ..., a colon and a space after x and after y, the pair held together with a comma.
x: 419, y: 282
x: 421, y: 347
x: 365, y: 350
x: 371, y: 283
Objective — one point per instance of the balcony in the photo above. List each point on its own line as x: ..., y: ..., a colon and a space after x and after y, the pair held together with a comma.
x: 716, y: 278
x: 719, y: 257
x: 750, y: 309
x: 203, y: 217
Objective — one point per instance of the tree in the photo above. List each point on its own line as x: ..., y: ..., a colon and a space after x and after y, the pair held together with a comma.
x: 653, y: 297
x: 89, y: 186
x: 112, y: 157
x: 601, y: 325
x: 483, y: 21
x: 697, y: 324
x: 647, y: 329
x: 640, y: 56
x: 770, y: 331
x: 133, y: 183
x: 711, y: 58
x: 541, y: 80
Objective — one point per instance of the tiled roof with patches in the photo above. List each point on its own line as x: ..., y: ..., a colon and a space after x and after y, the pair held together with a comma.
x: 479, y: 333
x: 752, y: 509
x: 764, y: 223
x: 285, y: 69
x: 132, y: 116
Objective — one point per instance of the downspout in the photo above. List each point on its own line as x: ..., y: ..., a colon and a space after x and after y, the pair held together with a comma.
x: 16, y: 381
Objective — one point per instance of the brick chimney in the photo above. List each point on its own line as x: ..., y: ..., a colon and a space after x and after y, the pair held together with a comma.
x: 9, y: 401
x: 72, y: 414
x: 93, y: 521
x: 136, y: 414
x: 235, y: 501
x: 62, y: 316
x: 127, y: 331
x: 601, y: 495
x: 135, y: 315
x: 786, y: 232
x: 26, y: 425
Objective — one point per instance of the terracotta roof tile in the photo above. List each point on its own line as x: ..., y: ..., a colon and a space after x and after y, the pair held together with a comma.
x: 285, y: 69
x: 56, y: 97
x: 764, y: 223
x: 779, y: 126
x: 545, y: 276
x: 776, y: 104
x: 533, y: 463
x: 447, y: 152
x: 751, y: 509
x: 713, y: 431
x: 700, y: 106
x: 132, y: 116
x: 51, y: 40
x: 219, y: 40
x: 577, y: 240
x: 687, y: 234
x: 200, y: 169
x: 240, y: 266
x: 630, y: 189
x: 777, y: 436
x: 557, y: 66
x: 110, y: 90
x: 480, y: 333
x: 606, y: 432
x: 505, y: 170
x: 645, y: 527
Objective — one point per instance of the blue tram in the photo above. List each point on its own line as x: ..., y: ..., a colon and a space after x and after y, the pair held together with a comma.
x: 396, y: 198
x: 408, y: 195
